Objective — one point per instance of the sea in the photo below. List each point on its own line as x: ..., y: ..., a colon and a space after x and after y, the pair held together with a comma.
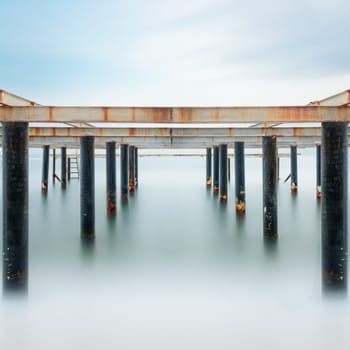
x: 175, y: 268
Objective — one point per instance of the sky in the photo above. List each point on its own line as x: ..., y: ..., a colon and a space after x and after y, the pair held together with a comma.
x: 183, y: 52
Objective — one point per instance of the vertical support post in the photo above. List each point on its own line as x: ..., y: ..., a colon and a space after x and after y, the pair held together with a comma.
x: 318, y: 170
x: 293, y: 168
x: 53, y: 164
x: 111, y: 178
x: 87, y: 187
x: 136, y: 167
x: 15, y: 206
x: 45, y: 169
x: 69, y: 167
x: 131, y: 168
x: 229, y: 169
x: 240, y: 178
x: 63, y: 166
x: 334, y: 205
x: 216, y: 170
x: 208, y: 167
x: 269, y: 187
x: 223, y: 173
x: 124, y: 166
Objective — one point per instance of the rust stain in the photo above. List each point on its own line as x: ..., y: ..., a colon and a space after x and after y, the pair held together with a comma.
x: 51, y: 113
x: 132, y: 132
x: 185, y: 115
x: 105, y: 113
x: 53, y: 131
x: 1, y: 96
x: 216, y: 114
x: 133, y: 114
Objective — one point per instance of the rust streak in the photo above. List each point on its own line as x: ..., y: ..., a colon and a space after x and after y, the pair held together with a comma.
x: 50, y: 113
x: 105, y: 114
x: 133, y: 114
x: 132, y: 132
x: 1, y: 96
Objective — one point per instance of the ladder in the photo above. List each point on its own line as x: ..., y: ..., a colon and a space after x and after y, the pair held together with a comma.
x: 73, y: 166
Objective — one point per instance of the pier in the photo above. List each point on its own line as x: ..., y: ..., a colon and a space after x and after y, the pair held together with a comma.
x: 221, y: 129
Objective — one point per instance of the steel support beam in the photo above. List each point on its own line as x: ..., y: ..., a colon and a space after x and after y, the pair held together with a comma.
x: 334, y: 206
x: 45, y: 168
x: 87, y: 187
x: 175, y: 114
x: 216, y: 163
x: 270, y: 187
x: 208, y: 167
x: 15, y: 207
x: 240, y: 178
x: 111, y: 178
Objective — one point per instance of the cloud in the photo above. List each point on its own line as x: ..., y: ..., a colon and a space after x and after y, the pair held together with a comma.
x: 163, y: 48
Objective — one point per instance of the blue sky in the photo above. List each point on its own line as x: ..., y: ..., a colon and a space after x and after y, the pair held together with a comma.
x: 184, y: 52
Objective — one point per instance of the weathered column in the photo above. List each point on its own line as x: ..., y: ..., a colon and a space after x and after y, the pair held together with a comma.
x: 223, y: 173
x: 293, y: 168
x: 318, y: 170
x: 136, y: 167
x: 124, y: 166
x: 15, y: 206
x: 240, y: 178
x: 131, y: 168
x: 63, y: 166
x: 216, y: 170
x: 45, y: 169
x: 53, y: 165
x: 111, y: 178
x: 87, y: 187
x: 208, y: 167
x: 228, y: 169
x: 269, y: 187
x: 68, y: 168
x: 334, y: 205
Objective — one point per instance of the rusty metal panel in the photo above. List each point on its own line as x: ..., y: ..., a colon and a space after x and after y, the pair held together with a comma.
x: 175, y: 115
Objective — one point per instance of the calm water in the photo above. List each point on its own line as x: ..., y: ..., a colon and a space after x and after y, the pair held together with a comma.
x: 175, y: 269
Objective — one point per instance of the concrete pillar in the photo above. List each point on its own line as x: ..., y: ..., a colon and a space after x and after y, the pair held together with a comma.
x: 53, y: 165
x: 334, y: 205
x: 63, y: 167
x: 216, y: 170
x: 131, y: 168
x: 45, y: 169
x: 240, y: 178
x: 223, y: 173
x: 124, y: 166
x: 111, y: 178
x: 318, y: 170
x: 87, y: 187
x: 293, y: 168
x: 270, y: 187
x: 15, y: 206
x: 136, y: 167
x: 208, y: 167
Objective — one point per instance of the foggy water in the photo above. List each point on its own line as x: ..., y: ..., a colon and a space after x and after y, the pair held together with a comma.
x: 175, y: 269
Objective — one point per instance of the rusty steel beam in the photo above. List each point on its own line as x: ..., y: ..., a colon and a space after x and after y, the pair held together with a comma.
x: 171, y: 141
x: 340, y: 99
x: 175, y: 114
x: 175, y: 132
x: 10, y: 99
